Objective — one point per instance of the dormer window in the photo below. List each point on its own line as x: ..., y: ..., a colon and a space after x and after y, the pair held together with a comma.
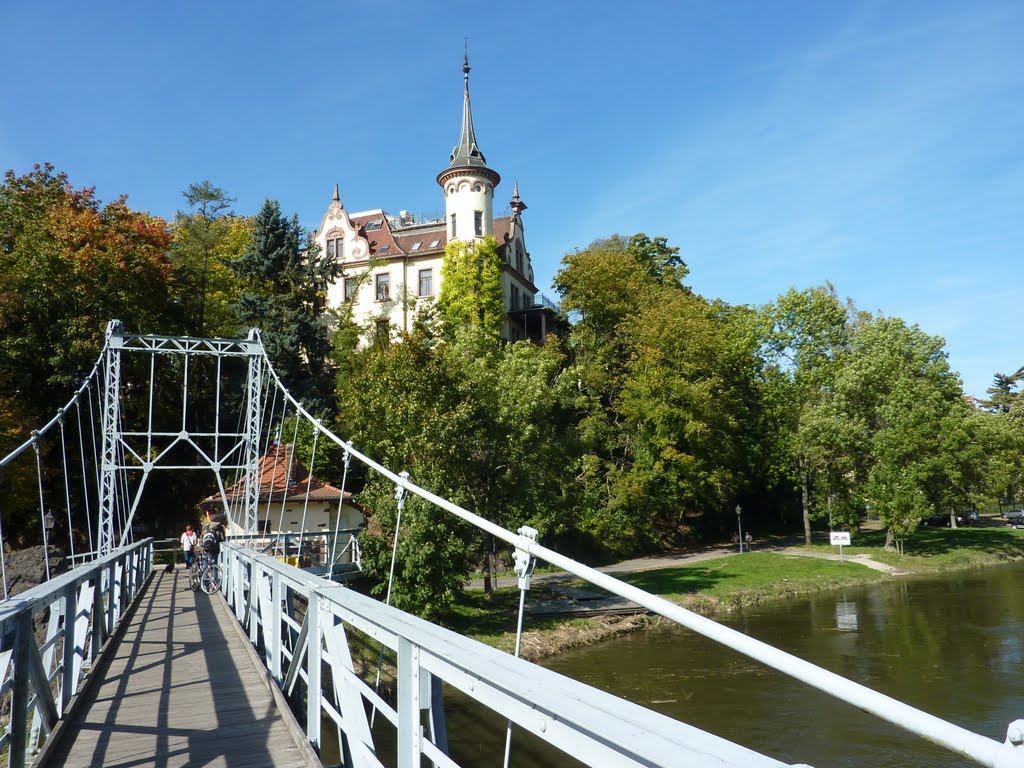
x: 374, y: 225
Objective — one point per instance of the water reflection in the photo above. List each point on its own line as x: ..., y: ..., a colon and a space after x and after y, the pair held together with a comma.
x: 950, y: 646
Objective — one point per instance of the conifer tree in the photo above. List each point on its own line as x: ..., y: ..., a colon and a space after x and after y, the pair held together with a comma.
x: 286, y: 298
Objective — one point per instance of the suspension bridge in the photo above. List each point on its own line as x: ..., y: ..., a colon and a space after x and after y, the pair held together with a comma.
x: 115, y: 662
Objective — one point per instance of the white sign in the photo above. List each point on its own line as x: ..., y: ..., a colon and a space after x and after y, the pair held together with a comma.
x: 839, y: 537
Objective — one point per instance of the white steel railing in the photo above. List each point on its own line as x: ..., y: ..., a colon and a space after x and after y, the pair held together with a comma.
x: 81, y: 608
x: 313, y: 635
x: 981, y: 749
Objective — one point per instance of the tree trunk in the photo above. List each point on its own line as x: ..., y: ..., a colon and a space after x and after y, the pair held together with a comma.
x: 889, y: 541
x: 805, y: 499
x: 488, y: 586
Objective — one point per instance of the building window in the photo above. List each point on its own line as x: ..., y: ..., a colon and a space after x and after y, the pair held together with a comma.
x: 416, y: 246
x: 426, y: 282
x: 384, y: 249
x: 383, y: 328
x: 434, y: 243
x: 374, y: 225
x: 351, y: 286
x: 336, y: 249
x: 453, y: 235
x: 478, y: 223
x: 515, y: 297
x: 383, y: 287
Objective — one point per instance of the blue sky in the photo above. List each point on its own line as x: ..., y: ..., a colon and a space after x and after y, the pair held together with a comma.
x: 877, y: 145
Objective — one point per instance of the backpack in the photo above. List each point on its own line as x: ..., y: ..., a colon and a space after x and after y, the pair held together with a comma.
x: 209, y: 543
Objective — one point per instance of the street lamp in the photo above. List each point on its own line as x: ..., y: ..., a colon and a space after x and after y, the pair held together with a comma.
x: 48, y: 522
x: 739, y: 525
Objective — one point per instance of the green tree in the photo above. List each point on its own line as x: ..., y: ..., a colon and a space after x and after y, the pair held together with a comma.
x: 805, y: 338
x: 471, y: 287
x: 662, y: 391
x: 103, y: 261
x: 206, y: 238
x: 474, y: 422
x: 906, y: 405
x: 285, y: 279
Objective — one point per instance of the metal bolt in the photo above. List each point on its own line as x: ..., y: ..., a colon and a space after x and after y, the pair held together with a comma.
x: 1015, y: 733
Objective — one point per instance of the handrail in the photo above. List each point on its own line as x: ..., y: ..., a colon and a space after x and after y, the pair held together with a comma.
x: 85, y: 607
x: 981, y: 749
x: 593, y: 726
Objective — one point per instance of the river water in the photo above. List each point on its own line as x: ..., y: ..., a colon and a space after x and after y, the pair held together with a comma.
x: 952, y: 646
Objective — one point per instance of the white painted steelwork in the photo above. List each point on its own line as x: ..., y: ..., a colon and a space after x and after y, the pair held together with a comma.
x: 981, y: 749
x: 300, y: 642
x: 85, y: 605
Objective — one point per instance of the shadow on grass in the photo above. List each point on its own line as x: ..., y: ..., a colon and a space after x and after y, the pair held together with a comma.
x: 678, y: 580
x: 1002, y: 543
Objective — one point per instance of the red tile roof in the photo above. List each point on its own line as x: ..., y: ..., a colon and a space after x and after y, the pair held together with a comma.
x: 280, y: 474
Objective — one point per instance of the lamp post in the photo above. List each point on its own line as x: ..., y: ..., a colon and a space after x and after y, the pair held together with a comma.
x: 48, y: 522
x: 739, y: 525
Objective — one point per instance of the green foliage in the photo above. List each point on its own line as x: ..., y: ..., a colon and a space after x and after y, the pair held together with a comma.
x: 284, y: 294
x: 473, y: 422
x: 102, y: 261
x: 471, y: 287
x: 663, y: 393
x: 207, y: 238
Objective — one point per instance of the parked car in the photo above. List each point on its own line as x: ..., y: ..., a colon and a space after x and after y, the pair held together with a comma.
x: 1014, y: 517
x: 940, y: 519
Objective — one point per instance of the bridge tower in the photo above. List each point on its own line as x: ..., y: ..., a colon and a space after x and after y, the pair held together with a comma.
x: 144, y: 448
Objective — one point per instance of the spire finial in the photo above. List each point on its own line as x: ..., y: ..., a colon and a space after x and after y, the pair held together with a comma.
x: 465, y: 60
x: 337, y: 197
x: 517, y: 205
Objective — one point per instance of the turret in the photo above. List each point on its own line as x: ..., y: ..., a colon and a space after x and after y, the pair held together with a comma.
x: 467, y: 182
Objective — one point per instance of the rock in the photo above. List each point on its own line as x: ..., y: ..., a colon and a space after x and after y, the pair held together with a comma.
x: 25, y: 568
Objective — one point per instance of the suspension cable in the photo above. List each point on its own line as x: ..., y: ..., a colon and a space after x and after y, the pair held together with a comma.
x: 524, y: 565
x: 67, y: 489
x: 309, y: 485
x: 3, y: 555
x: 42, y: 504
x: 289, y: 463
x: 85, y: 477
x: 341, y: 506
x: 400, y: 495
x: 49, y: 425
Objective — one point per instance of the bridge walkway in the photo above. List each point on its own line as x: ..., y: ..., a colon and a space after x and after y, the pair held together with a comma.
x: 181, y: 688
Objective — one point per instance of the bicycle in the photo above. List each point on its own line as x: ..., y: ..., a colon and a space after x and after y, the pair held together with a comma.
x: 205, y: 573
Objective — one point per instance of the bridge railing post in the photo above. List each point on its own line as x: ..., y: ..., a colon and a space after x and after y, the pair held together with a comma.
x: 313, y: 684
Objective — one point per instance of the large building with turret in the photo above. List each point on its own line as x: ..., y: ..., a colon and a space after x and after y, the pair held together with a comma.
x: 392, y: 263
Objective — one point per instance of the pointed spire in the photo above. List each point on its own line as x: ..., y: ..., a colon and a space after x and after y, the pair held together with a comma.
x: 466, y: 152
x: 517, y: 205
x: 467, y: 155
x: 337, y: 197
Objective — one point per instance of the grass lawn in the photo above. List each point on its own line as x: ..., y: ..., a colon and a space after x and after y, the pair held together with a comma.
x: 751, y: 577
x: 727, y: 582
x: 934, y: 550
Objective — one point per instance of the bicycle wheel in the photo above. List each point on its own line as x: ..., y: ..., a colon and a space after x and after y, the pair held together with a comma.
x: 211, y: 578
x: 193, y: 577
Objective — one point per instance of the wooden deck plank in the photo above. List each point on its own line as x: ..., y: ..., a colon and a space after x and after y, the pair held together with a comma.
x: 180, y: 690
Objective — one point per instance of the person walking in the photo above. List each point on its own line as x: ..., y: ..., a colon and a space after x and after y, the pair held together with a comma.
x: 189, y: 539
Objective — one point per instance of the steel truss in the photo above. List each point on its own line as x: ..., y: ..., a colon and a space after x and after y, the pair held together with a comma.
x: 147, y: 449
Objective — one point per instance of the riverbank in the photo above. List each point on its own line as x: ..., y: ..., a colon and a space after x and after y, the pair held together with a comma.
x: 715, y: 581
